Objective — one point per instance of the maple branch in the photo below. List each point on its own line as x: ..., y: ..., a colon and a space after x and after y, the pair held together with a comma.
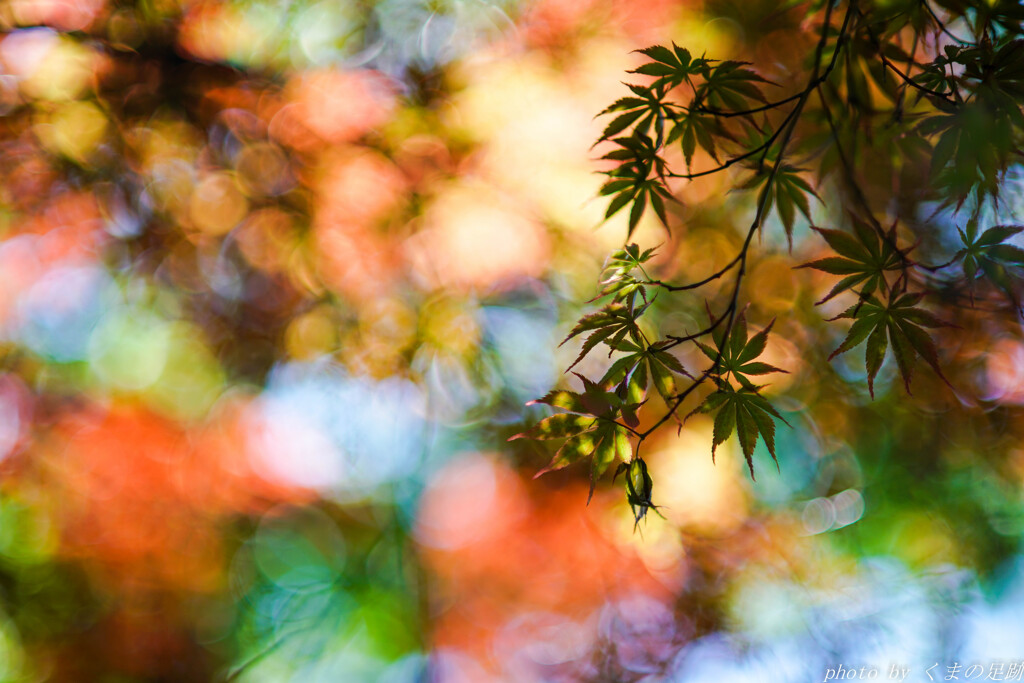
x: 741, y: 259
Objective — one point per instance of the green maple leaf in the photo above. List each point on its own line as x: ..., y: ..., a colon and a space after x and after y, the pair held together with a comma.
x: 618, y: 280
x: 643, y: 364
x: 729, y: 85
x: 612, y: 441
x: 636, y: 179
x: 788, y: 194
x: 738, y: 356
x: 672, y: 67
x: 558, y: 426
x: 746, y: 412
x: 589, y: 428
x: 990, y: 254
x: 863, y: 258
x: 612, y: 325
x: 899, y: 324
x: 644, y: 110
x: 694, y: 129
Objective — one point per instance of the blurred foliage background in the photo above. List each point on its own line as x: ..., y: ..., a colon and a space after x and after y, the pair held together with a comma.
x: 276, y: 279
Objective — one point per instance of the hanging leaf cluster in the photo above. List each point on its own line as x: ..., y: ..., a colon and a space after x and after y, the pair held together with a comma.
x: 742, y: 410
x: 927, y: 94
x: 590, y: 428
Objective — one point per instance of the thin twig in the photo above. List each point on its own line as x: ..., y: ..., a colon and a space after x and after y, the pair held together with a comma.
x: 700, y: 283
x: 942, y: 26
x: 861, y: 198
x: 877, y: 43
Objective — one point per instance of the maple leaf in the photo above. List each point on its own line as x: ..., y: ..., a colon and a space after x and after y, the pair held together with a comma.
x: 898, y: 323
x: 738, y: 356
x: 589, y: 428
x: 746, y: 412
x: 990, y: 254
x: 611, y: 324
x: 788, y: 194
x: 864, y: 257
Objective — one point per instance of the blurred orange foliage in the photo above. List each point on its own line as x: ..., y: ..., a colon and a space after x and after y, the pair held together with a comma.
x: 144, y: 502
x: 500, y: 550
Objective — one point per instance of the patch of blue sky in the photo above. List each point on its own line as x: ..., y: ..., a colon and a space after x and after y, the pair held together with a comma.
x: 523, y: 341
x: 57, y: 315
x: 369, y: 433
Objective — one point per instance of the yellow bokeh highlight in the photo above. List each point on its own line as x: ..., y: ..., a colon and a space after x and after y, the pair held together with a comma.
x: 387, y: 329
x: 217, y: 205
x: 694, y: 492
x: 74, y: 130
x: 773, y: 280
x: 312, y: 334
x: 655, y: 540
x: 446, y: 324
x: 27, y: 534
x: 478, y: 237
x: 921, y: 541
x: 124, y: 29
x: 719, y: 36
x: 12, y: 655
x: 268, y: 238
x: 536, y: 132
x: 263, y: 169
x: 163, y: 139
x: 63, y: 74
